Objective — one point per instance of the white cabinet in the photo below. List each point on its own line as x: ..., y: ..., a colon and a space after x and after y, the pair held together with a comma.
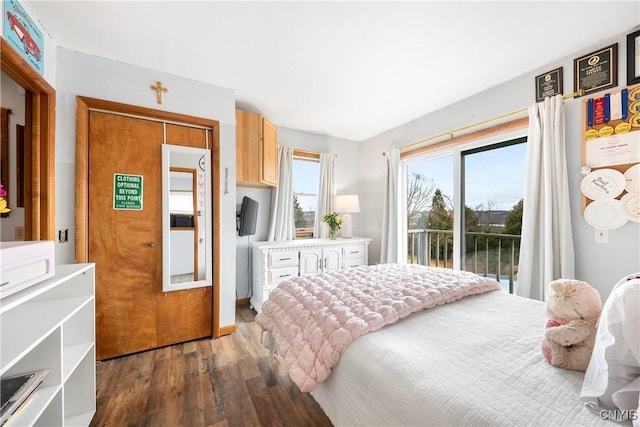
x: 51, y: 326
x: 355, y: 255
x: 310, y: 261
x: 320, y: 260
x: 274, y: 262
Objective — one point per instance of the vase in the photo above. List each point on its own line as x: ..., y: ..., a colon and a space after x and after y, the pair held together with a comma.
x: 332, y: 233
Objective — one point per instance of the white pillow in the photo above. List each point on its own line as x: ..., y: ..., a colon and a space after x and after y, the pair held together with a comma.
x: 612, y: 380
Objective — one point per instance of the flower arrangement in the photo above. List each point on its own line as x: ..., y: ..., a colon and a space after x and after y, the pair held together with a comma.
x: 3, y: 201
x: 334, y: 222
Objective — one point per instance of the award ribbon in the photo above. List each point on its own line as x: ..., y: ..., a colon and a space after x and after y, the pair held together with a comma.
x: 598, y: 111
x: 606, y: 130
x: 623, y: 126
x: 616, y: 106
x: 590, y: 133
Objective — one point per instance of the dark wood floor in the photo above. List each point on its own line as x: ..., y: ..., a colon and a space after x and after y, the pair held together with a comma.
x: 229, y: 381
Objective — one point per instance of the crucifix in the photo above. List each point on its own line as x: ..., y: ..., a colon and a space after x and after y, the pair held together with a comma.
x: 159, y: 89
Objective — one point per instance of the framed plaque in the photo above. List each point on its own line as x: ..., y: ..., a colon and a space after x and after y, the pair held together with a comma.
x: 633, y: 58
x: 596, y: 71
x: 549, y: 84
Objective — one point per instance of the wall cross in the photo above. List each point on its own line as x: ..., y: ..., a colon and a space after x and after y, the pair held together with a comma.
x: 159, y: 89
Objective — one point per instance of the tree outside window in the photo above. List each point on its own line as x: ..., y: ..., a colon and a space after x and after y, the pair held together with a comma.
x: 306, y: 174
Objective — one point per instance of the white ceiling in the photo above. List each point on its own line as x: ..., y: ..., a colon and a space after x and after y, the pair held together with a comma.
x: 346, y: 69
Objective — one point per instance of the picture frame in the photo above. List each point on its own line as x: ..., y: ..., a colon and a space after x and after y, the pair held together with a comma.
x: 633, y: 58
x: 596, y: 71
x: 549, y: 84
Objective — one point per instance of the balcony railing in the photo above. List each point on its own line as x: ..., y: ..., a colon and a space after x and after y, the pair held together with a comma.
x: 488, y: 254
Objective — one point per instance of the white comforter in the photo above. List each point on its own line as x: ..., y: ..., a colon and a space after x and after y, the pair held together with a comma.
x: 475, y: 362
x: 313, y: 319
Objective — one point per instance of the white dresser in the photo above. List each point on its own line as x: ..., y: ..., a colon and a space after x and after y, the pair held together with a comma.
x: 274, y: 262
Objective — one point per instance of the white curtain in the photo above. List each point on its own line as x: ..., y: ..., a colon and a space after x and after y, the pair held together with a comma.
x: 391, y: 243
x: 326, y: 193
x: 546, y: 248
x: 282, y: 224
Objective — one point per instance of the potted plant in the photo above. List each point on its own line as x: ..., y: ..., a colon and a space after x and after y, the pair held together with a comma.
x: 334, y: 222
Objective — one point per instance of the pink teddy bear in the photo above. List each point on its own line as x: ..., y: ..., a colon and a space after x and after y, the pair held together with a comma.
x: 573, y: 308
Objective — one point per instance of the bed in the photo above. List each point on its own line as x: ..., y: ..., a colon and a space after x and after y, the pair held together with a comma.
x: 471, y: 359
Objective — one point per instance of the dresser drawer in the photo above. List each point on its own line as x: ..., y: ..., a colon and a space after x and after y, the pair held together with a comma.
x: 278, y: 275
x: 356, y: 262
x: 283, y: 259
x: 353, y: 252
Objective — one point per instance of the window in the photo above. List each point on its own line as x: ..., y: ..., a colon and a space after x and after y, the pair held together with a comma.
x: 430, y: 211
x: 306, y: 173
x: 484, y: 236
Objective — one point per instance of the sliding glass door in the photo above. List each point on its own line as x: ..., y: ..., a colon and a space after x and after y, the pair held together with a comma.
x: 430, y: 212
x: 464, y: 209
x: 492, y: 192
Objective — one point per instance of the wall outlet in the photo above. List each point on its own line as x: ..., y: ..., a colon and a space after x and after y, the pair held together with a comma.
x: 601, y: 236
x: 63, y: 236
x: 19, y: 233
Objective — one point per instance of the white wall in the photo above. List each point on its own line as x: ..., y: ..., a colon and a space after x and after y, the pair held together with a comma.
x: 13, y: 99
x: 602, y: 265
x: 86, y: 75
x: 347, y: 182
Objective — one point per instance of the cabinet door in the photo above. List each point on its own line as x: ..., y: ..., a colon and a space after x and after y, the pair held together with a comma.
x: 332, y: 259
x: 248, y: 139
x: 269, y: 153
x: 310, y: 261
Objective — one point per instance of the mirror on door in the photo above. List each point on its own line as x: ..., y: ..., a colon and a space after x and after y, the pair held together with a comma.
x: 186, y: 218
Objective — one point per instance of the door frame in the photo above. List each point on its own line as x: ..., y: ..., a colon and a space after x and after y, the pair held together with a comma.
x: 84, y: 104
x: 40, y: 130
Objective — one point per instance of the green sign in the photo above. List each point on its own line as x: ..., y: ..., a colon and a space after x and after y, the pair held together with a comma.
x: 127, y: 192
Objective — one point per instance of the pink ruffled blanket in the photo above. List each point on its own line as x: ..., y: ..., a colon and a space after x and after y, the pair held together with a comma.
x: 314, y: 319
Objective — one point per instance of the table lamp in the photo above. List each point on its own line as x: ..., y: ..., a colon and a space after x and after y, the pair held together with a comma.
x: 346, y: 205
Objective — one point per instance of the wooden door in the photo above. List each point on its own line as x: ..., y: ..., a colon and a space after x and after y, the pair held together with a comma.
x: 125, y: 245
x: 132, y: 312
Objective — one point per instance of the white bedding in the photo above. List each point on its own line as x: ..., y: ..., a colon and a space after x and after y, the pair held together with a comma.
x: 473, y: 362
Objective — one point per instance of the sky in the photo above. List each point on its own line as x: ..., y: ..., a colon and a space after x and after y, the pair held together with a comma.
x: 305, y: 180
x: 495, y: 176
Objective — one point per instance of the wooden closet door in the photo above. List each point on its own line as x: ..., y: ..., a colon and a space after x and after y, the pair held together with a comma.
x: 132, y: 312
x: 125, y: 245
x: 187, y: 314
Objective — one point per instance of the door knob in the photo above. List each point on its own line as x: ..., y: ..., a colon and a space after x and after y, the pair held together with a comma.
x: 151, y: 244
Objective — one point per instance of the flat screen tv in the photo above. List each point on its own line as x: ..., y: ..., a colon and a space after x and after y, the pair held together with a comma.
x: 248, y: 217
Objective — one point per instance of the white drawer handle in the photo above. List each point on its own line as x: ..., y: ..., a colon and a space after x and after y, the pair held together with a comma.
x: 284, y: 259
x: 285, y: 275
x: 354, y: 252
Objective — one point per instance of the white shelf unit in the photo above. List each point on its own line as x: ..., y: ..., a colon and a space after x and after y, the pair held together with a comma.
x: 51, y: 326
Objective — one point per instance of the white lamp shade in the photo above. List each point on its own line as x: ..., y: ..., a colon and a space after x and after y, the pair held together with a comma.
x: 347, y: 204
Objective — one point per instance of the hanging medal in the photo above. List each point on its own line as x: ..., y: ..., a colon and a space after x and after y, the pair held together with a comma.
x: 634, y: 96
x: 606, y: 130
x: 590, y: 133
x: 623, y: 126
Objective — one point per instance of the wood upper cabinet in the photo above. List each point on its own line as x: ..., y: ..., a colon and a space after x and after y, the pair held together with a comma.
x: 256, y: 151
